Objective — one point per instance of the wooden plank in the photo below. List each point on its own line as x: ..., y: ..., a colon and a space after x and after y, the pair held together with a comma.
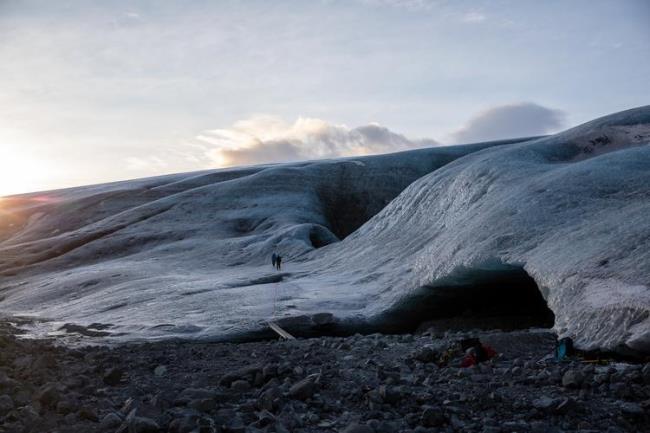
x: 281, y: 332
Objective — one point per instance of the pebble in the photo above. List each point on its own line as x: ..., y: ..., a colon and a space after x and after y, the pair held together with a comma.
x: 433, y: 417
x: 240, y: 385
x: 631, y: 408
x: 382, y: 388
x: 48, y: 395
x: 111, y: 421
x: 139, y: 424
x: 6, y: 404
x: 114, y: 376
x: 572, y: 379
x: 88, y: 413
x: 544, y: 403
x: 303, y: 389
x: 357, y: 428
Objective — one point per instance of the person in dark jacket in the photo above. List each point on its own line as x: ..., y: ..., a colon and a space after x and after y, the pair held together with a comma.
x: 274, y: 260
x: 278, y: 262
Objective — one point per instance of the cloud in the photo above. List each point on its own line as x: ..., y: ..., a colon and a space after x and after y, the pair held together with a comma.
x: 265, y: 139
x: 510, y: 121
x: 411, y: 5
x: 473, y: 17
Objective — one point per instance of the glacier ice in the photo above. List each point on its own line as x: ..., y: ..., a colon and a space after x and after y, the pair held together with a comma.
x: 368, y: 240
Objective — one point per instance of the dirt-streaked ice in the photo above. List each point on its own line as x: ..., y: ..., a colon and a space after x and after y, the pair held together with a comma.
x: 188, y: 255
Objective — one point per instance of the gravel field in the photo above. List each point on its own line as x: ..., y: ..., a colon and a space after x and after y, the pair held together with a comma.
x: 373, y: 383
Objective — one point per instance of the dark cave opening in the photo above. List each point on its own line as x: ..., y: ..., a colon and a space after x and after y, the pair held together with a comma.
x: 345, y: 213
x: 316, y: 240
x: 505, y: 299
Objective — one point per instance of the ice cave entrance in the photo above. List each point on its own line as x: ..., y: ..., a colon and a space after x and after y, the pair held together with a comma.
x: 504, y: 299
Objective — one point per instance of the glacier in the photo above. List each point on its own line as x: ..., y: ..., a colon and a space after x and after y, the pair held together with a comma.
x: 369, y: 243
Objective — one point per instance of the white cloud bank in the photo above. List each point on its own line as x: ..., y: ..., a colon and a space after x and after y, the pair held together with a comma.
x: 265, y: 139
x: 510, y: 121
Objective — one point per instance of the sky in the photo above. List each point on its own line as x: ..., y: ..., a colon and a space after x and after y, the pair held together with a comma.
x: 97, y: 91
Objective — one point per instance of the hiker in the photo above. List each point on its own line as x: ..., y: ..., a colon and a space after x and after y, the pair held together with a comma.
x: 274, y: 259
x: 278, y: 262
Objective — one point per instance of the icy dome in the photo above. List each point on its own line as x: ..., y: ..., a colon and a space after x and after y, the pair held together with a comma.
x: 370, y: 243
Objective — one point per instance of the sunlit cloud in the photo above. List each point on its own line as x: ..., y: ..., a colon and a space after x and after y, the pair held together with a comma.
x: 264, y: 139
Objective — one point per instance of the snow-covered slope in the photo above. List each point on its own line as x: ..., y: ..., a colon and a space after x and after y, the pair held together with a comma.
x: 573, y: 210
x: 188, y: 254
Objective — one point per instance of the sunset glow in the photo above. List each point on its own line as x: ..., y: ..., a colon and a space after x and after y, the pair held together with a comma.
x: 20, y: 172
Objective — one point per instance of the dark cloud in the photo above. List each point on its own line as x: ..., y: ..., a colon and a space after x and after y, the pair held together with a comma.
x: 262, y: 152
x: 510, y: 121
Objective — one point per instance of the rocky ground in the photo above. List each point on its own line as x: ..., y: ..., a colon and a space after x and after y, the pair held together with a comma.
x: 374, y: 383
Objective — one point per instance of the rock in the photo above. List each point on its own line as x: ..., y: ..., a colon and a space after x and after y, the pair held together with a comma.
x: 88, y: 413
x: 600, y: 379
x: 28, y: 415
x: 240, y: 385
x: 390, y: 394
x: 71, y: 418
x: 303, y: 389
x: 139, y: 424
x: 162, y: 400
x: 514, y: 426
x: 544, y: 403
x: 645, y: 372
x: 426, y: 354
x: 7, y: 383
x: 111, y: 421
x: 264, y: 418
x: 160, y: 371
x: 193, y: 394
x: 22, y: 397
x: 23, y: 362
x: 267, y: 399
x: 202, y: 405
x: 572, y: 379
x: 246, y: 373
x: 114, y: 376
x: 632, y: 409
x: 64, y: 407
x: 620, y: 390
x: 6, y: 404
x: 357, y: 428
x: 269, y: 371
x: 566, y: 405
x: 183, y: 424
x: 44, y: 362
x: 48, y: 396
x: 383, y: 426
x: 433, y: 417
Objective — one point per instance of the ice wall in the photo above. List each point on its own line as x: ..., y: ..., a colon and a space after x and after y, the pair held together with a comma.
x: 187, y: 255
